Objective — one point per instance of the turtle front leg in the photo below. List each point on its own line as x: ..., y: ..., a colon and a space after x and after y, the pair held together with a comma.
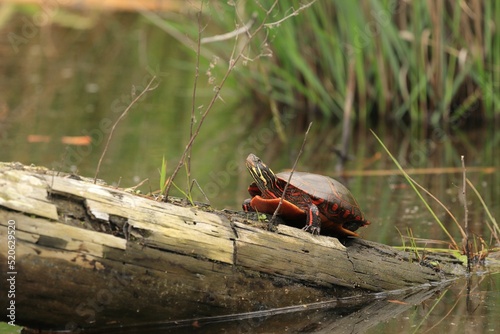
x: 313, y: 223
x: 246, y: 205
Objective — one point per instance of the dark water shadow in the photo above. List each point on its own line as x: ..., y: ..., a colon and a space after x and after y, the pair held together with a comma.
x: 347, y: 315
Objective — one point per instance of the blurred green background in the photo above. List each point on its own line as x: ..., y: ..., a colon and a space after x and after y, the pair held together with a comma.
x: 424, y: 75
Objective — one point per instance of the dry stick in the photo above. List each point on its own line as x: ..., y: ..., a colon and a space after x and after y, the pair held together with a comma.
x: 494, y: 229
x: 346, y: 124
x: 273, y: 105
x: 232, y: 64
x: 232, y: 34
x: 273, y: 218
x: 196, y: 75
x: 294, y: 13
x: 466, y: 223
x: 163, y: 24
x: 147, y: 89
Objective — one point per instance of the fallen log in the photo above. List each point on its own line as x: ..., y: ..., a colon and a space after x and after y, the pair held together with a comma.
x: 86, y: 255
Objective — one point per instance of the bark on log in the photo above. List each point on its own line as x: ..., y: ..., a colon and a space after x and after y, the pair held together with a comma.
x: 91, y: 255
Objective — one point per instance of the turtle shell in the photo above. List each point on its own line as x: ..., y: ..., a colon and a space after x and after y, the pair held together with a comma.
x: 335, y: 202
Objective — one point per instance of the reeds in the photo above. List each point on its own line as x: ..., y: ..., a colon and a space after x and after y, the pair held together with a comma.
x: 426, y: 61
x: 474, y: 248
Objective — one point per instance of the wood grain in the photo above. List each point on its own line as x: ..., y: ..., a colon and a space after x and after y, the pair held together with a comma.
x: 91, y: 255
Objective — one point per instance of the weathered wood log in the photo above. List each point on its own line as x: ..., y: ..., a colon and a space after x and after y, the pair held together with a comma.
x: 92, y: 255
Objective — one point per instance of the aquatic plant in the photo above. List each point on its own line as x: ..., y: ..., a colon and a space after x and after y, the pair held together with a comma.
x: 428, y: 62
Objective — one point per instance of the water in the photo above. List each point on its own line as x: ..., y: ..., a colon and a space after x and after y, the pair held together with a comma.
x: 69, y: 84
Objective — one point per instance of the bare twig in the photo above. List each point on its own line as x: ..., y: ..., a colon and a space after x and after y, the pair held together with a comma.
x: 200, y: 189
x: 134, y: 188
x: 346, y: 124
x: 193, y: 104
x: 231, y: 34
x: 273, y: 105
x: 172, y: 31
x: 466, y: 213
x: 495, y: 229
x: 295, y: 12
x: 273, y: 218
x: 124, y: 113
x: 232, y: 64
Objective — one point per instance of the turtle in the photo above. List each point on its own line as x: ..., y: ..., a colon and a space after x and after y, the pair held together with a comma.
x: 324, y: 203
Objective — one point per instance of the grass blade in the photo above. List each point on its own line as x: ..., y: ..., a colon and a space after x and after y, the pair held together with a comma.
x: 412, y: 184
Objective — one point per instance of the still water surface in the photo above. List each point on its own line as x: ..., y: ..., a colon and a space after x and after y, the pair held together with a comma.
x: 62, y: 91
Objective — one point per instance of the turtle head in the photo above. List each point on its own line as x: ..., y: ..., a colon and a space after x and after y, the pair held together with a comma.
x: 261, y: 174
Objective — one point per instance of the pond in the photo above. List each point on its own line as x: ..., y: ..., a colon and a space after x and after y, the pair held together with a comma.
x: 63, y: 89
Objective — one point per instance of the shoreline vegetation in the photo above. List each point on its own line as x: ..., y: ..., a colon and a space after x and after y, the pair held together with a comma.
x: 426, y: 62
x: 430, y: 62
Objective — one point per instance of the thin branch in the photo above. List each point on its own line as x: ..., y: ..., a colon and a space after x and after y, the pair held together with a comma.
x: 495, y: 229
x: 231, y: 34
x: 124, y: 113
x: 273, y: 218
x: 193, y: 103
x: 466, y: 214
x: 172, y: 31
x: 232, y: 64
x: 294, y: 13
x: 347, y: 121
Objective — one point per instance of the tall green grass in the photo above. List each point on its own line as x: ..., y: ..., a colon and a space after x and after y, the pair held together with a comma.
x: 421, y: 61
